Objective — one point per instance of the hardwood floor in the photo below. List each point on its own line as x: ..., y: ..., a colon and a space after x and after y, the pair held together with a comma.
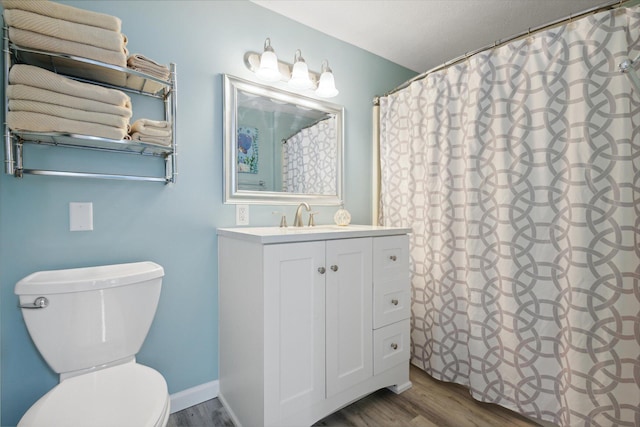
x: 209, y: 413
x: 429, y: 403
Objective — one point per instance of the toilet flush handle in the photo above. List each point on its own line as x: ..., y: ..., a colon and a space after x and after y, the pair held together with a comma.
x: 40, y: 302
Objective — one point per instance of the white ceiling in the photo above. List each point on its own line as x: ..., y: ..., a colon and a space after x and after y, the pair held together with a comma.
x: 422, y: 34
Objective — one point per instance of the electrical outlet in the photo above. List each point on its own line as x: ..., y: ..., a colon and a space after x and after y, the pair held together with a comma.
x: 242, y: 214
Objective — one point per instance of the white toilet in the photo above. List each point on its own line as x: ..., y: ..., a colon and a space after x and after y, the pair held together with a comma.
x: 88, y: 324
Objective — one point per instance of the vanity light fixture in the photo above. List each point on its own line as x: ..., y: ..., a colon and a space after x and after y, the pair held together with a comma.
x: 268, y: 68
x: 327, y: 85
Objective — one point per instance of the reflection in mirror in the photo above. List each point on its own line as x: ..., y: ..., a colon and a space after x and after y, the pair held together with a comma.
x: 309, y: 158
x: 280, y: 147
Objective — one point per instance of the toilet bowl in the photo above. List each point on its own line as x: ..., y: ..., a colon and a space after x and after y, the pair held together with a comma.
x: 88, y: 324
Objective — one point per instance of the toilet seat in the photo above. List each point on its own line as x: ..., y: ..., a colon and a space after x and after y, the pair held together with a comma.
x: 124, y: 395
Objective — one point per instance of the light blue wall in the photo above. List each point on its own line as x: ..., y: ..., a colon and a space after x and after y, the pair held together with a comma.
x: 172, y: 225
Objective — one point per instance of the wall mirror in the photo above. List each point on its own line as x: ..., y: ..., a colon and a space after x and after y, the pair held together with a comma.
x: 280, y: 147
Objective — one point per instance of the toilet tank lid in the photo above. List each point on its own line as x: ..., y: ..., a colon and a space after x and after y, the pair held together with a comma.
x: 87, y: 278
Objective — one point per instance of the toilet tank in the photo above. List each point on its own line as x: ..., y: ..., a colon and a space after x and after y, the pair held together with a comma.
x: 94, y: 315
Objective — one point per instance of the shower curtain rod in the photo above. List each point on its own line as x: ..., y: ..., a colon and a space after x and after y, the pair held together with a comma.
x: 605, y: 6
x: 330, y: 116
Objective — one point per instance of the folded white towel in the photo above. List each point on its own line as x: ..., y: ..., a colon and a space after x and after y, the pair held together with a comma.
x: 33, y: 40
x: 68, y: 13
x: 68, y: 113
x: 65, y: 30
x: 158, y: 140
x: 30, y: 93
x: 146, y: 65
x: 36, y: 122
x: 160, y: 124
x: 153, y: 128
x: 41, y: 78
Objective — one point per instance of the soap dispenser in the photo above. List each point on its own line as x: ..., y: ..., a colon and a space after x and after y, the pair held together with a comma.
x: 342, y: 216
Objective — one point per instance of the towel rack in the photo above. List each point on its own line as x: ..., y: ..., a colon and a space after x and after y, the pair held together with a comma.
x: 253, y: 184
x: 83, y: 69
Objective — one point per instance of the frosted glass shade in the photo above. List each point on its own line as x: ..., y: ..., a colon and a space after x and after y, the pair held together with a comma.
x: 300, y: 76
x: 268, y: 70
x: 327, y: 86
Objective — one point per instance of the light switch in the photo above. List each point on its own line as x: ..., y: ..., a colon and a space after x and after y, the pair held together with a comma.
x: 80, y: 216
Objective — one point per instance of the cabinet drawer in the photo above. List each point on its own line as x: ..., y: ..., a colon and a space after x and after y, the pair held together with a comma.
x: 390, y: 346
x: 391, y: 302
x: 391, y: 257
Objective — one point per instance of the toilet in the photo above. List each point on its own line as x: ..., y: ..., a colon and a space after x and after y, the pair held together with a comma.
x: 89, y: 324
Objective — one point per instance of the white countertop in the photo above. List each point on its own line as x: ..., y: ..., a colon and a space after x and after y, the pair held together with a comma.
x: 268, y: 235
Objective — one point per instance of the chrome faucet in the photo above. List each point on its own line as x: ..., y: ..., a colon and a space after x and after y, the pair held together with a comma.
x: 297, y: 222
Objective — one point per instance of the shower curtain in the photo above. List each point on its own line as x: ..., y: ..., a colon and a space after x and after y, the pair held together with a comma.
x: 518, y: 171
x: 310, y: 159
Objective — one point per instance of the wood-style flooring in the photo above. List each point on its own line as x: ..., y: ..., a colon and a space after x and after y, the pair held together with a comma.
x: 429, y: 403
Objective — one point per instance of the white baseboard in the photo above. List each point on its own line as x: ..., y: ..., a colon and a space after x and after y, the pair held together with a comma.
x: 194, y: 395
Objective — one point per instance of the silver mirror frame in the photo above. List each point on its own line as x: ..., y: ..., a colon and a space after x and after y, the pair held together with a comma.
x: 231, y: 193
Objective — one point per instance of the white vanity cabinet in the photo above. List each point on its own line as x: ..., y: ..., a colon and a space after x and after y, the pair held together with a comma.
x: 310, y: 321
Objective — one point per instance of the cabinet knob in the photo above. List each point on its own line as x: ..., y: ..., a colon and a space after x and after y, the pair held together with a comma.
x: 394, y: 301
x: 393, y: 257
x: 394, y: 346
x: 334, y: 267
x: 321, y: 270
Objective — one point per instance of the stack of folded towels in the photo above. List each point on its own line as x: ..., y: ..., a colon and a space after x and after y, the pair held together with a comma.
x: 151, y: 131
x: 58, y: 28
x: 65, y: 29
x: 148, y: 66
x: 42, y: 101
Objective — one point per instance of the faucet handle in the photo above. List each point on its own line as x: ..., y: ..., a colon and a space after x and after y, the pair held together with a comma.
x: 312, y: 221
x: 283, y: 220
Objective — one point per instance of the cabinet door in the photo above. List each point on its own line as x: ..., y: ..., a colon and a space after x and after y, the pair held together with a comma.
x: 349, y: 313
x: 294, y: 329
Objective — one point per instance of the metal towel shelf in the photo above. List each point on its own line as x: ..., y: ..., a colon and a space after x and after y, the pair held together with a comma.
x: 83, y: 69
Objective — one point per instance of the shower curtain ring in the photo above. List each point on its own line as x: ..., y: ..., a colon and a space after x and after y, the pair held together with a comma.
x: 529, y: 36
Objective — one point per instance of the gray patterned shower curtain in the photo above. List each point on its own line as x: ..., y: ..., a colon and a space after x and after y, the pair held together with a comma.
x: 310, y: 159
x: 518, y: 171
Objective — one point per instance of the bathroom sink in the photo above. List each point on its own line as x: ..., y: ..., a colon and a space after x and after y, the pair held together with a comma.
x: 302, y: 234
